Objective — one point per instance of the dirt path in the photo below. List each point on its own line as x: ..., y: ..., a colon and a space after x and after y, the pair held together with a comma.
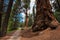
x: 13, y: 36
x: 47, y: 34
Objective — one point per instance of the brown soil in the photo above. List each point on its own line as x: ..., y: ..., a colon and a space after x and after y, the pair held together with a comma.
x: 47, y: 34
x: 27, y: 34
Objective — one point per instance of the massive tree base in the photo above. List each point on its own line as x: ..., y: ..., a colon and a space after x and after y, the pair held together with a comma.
x: 44, y: 17
x: 40, y: 27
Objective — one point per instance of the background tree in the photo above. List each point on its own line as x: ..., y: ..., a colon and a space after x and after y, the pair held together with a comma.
x: 1, y: 12
x: 14, y: 17
x: 34, y: 14
x: 30, y: 22
x: 6, y: 19
x: 58, y: 3
x: 56, y: 7
x: 26, y: 6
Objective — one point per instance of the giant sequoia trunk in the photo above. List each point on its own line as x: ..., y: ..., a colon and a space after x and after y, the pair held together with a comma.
x: 6, y: 19
x: 44, y: 16
x: 1, y: 11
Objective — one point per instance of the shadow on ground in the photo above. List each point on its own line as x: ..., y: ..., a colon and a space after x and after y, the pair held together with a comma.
x: 28, y: 33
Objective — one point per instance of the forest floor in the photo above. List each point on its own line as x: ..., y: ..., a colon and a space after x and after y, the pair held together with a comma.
x: 47, y: 34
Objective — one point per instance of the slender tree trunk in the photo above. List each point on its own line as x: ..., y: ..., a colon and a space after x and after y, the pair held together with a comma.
x: 14, y: 14
x: 34, y: 14
x: 6, y: 19
x: 44, y: 16
x: 26, y: 20
x: 58, y: 3
x: 1, y: 11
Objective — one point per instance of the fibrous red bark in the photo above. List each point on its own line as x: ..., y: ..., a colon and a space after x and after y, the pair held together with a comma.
x: 44, y: 16
x: 26, y: 20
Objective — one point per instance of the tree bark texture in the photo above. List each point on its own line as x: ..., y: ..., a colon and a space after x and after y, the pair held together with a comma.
x: 26, y: 20
x: 1, y: 12
x: 44, y: 16
x: 6, y: 19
